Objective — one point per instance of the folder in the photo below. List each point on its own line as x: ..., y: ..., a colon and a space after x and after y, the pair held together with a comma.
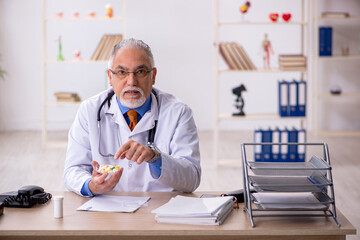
x: 293, y: 98
x: 283, y: 98
x: 257, y: 148
x: 301, y: 148
x: 325, y: 41
x: 266, y: 137
x: 301, y: 104
x: 292, y: 149
x: 275, y: 148
x: 328, y: 41
x: 322, y: 45
x: 283, y: 148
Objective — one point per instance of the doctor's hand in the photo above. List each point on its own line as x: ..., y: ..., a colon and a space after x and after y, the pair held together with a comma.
x: 99, y: 184
x: 134, y: 151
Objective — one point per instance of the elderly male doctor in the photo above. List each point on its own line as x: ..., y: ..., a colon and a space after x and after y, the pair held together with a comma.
x: 171, y: 162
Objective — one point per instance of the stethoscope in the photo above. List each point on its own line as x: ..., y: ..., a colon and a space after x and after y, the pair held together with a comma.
x: 152, y: 131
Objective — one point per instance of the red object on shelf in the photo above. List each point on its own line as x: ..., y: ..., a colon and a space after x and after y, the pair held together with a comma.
x: 274, y: 16
x: 286, y: 16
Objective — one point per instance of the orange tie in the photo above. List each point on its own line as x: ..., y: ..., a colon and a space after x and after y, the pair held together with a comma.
x: 133, y: 119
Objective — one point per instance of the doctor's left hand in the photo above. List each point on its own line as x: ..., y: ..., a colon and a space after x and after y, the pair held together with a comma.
x: 99, y: 184
x: 134, y: 151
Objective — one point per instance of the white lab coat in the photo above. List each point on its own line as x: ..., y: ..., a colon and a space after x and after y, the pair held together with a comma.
x: 176, y: 137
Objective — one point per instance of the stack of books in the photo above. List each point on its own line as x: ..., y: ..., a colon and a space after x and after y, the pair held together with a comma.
x: 335, y: 15
x: 67, y: 97
x: 196, y: 211
x: 292, y: 62
x: 235, y: 56
x: 105, y: 46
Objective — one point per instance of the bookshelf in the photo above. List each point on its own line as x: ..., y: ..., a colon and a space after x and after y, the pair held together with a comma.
x: 345, y: 31
x: 51, y: 68
x: 301, y: 24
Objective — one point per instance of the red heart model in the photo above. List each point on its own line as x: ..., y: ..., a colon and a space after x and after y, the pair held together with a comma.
x: 273, y: 16
x: 286, y: 16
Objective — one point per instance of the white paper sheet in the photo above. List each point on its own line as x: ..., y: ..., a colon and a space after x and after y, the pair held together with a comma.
x: 181, y: 206
x: 107, y: 203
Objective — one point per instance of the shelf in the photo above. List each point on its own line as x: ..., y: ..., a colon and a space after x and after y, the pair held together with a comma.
x: 56, y: 144
x: 117, y: 23
x: 84, y: 19
x: 257, y: 116
x: 260, y: 23
x: 56, y: 103
x: 357, y: 18
x: 75, y: 61
x: 342, y: 95
x: 339, y: 57
x: 262, y: 70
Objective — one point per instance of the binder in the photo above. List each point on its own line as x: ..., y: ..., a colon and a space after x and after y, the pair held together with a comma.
x: 266, y: 137
x: 293, y: 98
x: 292, y: 149
x: 301, y: 104
x: 328, y: 41
x: 301, y: 148
x: 322, y: 45
x: 275, y: 148
x: 325, y: 41
x: 283, y: 98
x: 257, y: 148
x: 283, y: 148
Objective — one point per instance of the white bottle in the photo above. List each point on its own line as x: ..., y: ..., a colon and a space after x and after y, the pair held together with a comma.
x: 58, y: 206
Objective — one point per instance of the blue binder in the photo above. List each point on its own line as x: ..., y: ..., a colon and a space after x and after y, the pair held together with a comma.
x: 283, y: 148
x: 301, y: 104
x: 257, y: 148
x: 301, y: 148
x: 328, y: 41
x: 292, y: 149
x: 266, y: 153
x: 283, y: 98
x: 293, y: 98
x: 275, y: 148
x: 322, y: 44
x: 325, y: 41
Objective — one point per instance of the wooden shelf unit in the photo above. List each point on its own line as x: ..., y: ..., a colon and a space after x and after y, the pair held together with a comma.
x: 217, y: 24
x: 45, y: 61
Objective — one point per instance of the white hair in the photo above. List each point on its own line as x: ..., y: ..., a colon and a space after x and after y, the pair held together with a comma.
x: 131, y: 43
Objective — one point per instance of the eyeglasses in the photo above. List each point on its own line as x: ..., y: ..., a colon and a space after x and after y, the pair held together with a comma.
x: 139, y: 74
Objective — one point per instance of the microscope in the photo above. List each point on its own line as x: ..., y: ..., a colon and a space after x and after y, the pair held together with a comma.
x: 239, y: 102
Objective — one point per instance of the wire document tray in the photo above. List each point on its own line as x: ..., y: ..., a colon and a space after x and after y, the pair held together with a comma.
x: 299, y: 189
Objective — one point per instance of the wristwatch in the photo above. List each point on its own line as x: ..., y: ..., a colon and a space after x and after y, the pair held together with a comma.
x: 156, y: 152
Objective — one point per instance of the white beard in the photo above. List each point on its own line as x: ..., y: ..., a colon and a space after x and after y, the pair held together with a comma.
x: 132, y: 103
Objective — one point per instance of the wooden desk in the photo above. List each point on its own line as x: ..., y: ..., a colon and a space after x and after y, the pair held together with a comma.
x: 38, y: 223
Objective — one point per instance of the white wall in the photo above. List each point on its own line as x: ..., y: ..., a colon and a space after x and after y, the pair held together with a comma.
x: 180, y: 34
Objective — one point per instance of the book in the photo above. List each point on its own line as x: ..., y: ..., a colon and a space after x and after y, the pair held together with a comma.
x: 224, y: 52
x: 250, y: 64
x: 67, y: 97
x: 65, y: 94
x: 191, y: 210
x: 292, y: 68
x: 335, y: 14
x: 235, y: 56
x: 105, y: 46
x: 292, y: 57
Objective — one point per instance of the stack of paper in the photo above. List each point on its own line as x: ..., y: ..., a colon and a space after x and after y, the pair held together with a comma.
x: 197, y: 211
